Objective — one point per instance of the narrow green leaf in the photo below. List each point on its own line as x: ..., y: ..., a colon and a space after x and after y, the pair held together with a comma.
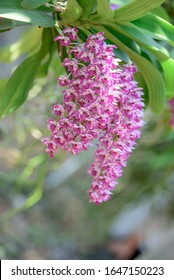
x: 18, y: 86
x: 47, y: 42
x: 72, y: 13
x: 121, y: 55
x: 172, y: 53
x: 56, y: 67
x: 104, y: 10
x: 161, y: 12
x: 168, y: 69
x: 44, y: 66
x: 36, y: 17
x: 16, y: 4
x: 34, y: 198
x: 3, y: 83
x: 152, y: 77
x: 6, y: 24
x: 153, y: 58
x: 135, y: 10
x: 21, y: 81
x: 135, y: 33
x: 29, y: 43
x: 87, y: 6
x: 32, y: 4
x: 156, y: 27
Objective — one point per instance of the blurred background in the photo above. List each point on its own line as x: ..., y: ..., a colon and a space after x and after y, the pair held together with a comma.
x: 44, y: 208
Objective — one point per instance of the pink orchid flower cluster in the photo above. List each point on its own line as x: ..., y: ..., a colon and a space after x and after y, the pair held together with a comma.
x: 101, y: 100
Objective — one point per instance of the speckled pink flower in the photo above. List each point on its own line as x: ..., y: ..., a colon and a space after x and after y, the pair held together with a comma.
x: 101, y: 100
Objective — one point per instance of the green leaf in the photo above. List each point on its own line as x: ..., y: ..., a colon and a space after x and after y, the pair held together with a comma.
x: 34, y: 17
x: 44, y: 67
x: 87, y: 6
x: 135, y: 33
x: 152, y: 77
x: 161, y: 12
x: 152, y: 57
x: 3, y: 83
x: 72, y: 13
x: 135, y: 9
x: 32, y: 4
x: 104, y: 10
x: 18, y: 86
x: 168, y: 68
x: 29, y: 43
x: 21, y: 81
x: 16, y: 4
x: 12, y: 9
x: 156, y: 27
x: 6, y: 24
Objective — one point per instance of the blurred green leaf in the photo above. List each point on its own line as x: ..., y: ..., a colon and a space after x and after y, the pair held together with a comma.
x: 135, y: 10
x: 72, y: 13
x: 2, y: 86
x: 44, y: 66
x: 161, y: 12
x: 32, y: 164
x: 135, y: 33
x: 12, y: 9
x: 152, y: 77
x: 34, y: 17
x: 29, y: 42
x: 156, y: 27
x: 87, y: 6
x: 22, y: 79
x: 151, y: 55
x: 168, y: 68
x: 6, y: 24
x: 56, y: 66
x: 32, y: 4
x: 16, y: 4
x: 34, y: 197
x: 18, y: 86
x: 104, y: 10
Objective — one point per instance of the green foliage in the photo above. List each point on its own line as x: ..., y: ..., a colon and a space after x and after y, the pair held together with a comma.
x: 12, y: 9
x: 16, y: 90
x: 136, y: 27
x: 21, y: 81
x: 72, y: 13
x: 87, y: 6
x: 29, y: 43
x: 135, y: 9
x: 32, y: 4
x: 160, y: 29
x: 6, y: 24
x: 103, y: 10
x: 168, y: 68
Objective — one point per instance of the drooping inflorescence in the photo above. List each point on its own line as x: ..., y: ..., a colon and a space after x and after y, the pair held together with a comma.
x: 101, y: 100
